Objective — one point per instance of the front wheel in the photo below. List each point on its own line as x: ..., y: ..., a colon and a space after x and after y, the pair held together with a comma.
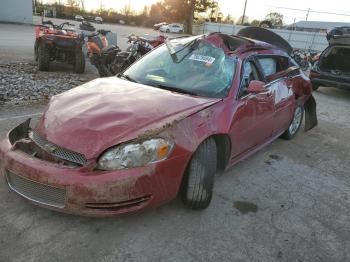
x: 198, y: 182
x: 315, y: 87
x: 36, y: 47
x: 79, y: 65
x: 294, y: 127
x: 43, y: 57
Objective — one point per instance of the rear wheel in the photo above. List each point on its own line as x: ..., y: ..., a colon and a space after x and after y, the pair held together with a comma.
x: 199, y: 178
x: 79, y: 65
x: 315, y: 87
x: 168, y: 31
x: 36, y: 46
x: 43, y: 58
x: 294, y: 127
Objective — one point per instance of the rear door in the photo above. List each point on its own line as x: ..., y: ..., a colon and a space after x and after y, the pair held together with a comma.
x: 280, y: 85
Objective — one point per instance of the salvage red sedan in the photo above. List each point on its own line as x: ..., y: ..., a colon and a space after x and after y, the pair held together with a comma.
x: 184, y: 112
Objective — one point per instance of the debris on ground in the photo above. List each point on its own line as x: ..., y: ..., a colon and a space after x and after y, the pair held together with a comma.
x: 21, y: 82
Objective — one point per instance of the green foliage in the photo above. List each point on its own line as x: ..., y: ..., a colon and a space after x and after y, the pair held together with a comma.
x: 276, y: 19
x: 255, y: 22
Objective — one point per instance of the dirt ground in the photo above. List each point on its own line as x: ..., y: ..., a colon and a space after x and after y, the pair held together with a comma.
x: 289, y: 202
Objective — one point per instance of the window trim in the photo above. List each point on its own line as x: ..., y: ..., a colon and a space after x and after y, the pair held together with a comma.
x: 290, y: 60
x: 252, y: 59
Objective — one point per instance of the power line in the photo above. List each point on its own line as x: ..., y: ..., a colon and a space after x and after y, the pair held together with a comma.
x: 309, y: 10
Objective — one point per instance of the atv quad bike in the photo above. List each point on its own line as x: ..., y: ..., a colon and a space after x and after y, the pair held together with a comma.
x: 58, y: 43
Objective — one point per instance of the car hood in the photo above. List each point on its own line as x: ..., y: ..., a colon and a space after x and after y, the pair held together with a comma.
x: 107, y: 111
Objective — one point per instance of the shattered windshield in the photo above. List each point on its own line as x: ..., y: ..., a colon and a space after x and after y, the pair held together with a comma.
x: 198, y: 68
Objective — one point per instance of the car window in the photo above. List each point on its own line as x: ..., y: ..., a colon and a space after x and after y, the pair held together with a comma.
x: 268, y: 66
x: 202, y: 69
x: 273, y: 65
x: 250, y: 73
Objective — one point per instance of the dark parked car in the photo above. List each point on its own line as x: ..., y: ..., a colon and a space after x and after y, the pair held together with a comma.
x: 185, y: 111
x: 333, y: 66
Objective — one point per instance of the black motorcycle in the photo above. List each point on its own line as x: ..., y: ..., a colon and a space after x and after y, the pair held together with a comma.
x: 100, y: 54
x: 139, y: 46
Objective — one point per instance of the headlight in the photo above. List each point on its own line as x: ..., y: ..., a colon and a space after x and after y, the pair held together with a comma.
x: 135, y: 155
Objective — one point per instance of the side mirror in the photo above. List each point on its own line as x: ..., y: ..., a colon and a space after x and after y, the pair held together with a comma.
x: 256, y: 87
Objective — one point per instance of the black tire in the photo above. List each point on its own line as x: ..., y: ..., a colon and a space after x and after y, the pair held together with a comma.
x: 290, y: 133
x: 315, y: 87
x: 198, y: 184
x: 36, y: 46
x: 79, y: 65
x: 103, y: 71
x: 181, y: 31
x: 168, y: 31
x: 43, y: 58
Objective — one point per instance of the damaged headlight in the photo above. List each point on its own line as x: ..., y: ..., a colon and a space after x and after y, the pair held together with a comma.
x: 135, y: 154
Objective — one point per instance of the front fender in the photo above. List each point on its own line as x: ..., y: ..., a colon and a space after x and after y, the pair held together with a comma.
x: 310, y: 113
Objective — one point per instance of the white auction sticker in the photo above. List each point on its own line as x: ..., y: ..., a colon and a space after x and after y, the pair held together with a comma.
x: 202, y: 58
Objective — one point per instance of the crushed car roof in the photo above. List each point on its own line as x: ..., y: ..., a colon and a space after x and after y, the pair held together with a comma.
x: 240, y: 44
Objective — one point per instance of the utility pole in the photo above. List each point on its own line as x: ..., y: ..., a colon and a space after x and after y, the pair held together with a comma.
x: 307, y: 13
x: 245, y: 6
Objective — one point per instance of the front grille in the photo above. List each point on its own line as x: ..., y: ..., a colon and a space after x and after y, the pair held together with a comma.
x: 36, y: 192
x: 58, y: 151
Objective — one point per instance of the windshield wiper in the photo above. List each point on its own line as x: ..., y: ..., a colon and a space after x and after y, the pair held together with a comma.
x: 176, y: 89
x: 127, y: 78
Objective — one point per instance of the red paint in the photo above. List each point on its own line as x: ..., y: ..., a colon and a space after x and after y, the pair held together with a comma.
x: 106, y: 112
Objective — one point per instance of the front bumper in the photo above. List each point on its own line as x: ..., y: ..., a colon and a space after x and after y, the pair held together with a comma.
x: 85, y: 191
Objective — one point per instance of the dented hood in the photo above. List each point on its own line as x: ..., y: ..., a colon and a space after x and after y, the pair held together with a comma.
x: 105, y: 112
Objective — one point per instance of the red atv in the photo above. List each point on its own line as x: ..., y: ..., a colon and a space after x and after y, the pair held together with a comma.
x: 58, y: 43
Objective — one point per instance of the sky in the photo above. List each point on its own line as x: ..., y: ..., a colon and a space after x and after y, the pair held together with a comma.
x: 256, y: 9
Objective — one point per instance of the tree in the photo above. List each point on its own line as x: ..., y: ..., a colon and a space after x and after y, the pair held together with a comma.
x: 73, y: 6
x: 158, y: 12
x: 229, y: 19
x: 183, y: 10
x: 255, y: 22
x: 72, y: 3
x: 276, y: 19
x: 127, y: 10
x: 245, y: 21
x: 145, y: 11
x: 82, y: 4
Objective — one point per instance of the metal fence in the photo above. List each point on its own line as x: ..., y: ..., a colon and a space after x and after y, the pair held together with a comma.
x: 299, y: 40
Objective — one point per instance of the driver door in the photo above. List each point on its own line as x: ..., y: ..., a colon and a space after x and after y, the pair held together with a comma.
x: 252, y: 123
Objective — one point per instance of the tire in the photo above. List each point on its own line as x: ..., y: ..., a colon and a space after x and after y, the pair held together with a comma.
x: 315, y: 87
x: 198, y: 181
x: 167, y: 31
x: 103, y: 71
x: 294, y: 127
x: 181, y: 31
x: 79, y: 65
x: 36, y: 46
x: 43, y: 58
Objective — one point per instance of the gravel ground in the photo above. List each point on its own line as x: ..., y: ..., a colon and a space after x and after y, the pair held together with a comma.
x: 24, y: 82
